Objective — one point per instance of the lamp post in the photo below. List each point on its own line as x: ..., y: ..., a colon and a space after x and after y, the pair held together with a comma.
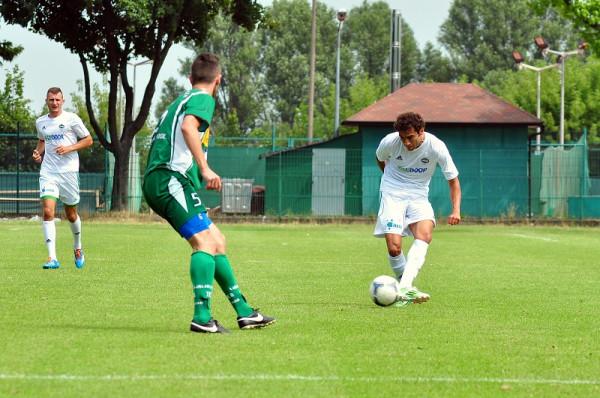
x: 135, y: 65
x: 341, y: 17
x: 134, y: 184
x: 311, y: 73
x: 521, y: 65
x: 562, y: 56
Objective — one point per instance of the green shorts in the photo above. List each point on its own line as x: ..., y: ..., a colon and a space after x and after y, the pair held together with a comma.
x: 173, y: 197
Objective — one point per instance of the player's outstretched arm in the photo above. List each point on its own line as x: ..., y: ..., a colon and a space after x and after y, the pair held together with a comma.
x: 189, y: 129
x: 455, y: 197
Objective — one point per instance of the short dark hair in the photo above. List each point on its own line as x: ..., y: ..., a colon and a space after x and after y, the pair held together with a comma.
x: 205, y: 68
x: 407, y: 120
x: 54, y: 90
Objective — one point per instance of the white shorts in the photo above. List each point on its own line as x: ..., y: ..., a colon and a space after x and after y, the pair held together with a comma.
x: 64, y: 186
x: 395, y: 215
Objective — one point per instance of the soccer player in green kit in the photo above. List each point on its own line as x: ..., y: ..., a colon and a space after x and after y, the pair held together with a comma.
x: 176, y: 166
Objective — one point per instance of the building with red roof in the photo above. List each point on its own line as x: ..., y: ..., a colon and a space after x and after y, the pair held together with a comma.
x: 487, y: 137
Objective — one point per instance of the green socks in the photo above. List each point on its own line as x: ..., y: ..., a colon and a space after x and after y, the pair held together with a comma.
x: 226, y: 279
x: 202, y: 271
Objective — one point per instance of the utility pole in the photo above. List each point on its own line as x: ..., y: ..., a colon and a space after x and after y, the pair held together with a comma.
x: 311, y: 83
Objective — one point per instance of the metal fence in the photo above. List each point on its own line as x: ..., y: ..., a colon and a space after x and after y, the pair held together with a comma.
x: 552, y: 182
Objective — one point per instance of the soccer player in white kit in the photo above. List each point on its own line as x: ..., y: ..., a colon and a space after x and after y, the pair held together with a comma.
x: 61, y: 135
x: 408, y: 158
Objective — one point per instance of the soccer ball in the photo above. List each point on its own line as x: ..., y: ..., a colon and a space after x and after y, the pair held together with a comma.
x: 384, y: 290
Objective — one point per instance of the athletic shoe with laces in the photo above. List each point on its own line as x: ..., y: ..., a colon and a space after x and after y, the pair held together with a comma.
x: 254, y: 320
x: 411, y: 295
x: 79, y: 258
x: 212, y: 326
x: 51, y: 264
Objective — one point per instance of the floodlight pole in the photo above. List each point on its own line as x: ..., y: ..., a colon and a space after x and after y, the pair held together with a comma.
x: 538, y: 71
x: 135, y: 65
x: 311, y: 73
x: 341, y: 17
x: 562, y: 56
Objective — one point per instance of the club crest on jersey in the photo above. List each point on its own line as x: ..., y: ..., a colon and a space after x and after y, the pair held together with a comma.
x: 425, y: 160
x: 399, y: 157
x: 61, y: 126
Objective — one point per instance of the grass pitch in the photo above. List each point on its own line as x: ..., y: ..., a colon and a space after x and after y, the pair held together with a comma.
x: 514, y: 313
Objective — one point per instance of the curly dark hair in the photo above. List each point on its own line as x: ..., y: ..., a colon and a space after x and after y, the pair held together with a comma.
x: 407, y: 120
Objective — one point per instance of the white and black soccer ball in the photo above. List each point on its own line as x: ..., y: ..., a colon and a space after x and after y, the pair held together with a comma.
x: 384, y: 290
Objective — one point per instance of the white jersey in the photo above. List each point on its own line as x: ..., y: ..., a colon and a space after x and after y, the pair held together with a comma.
x: 407, y: 173
x: 64, y: 129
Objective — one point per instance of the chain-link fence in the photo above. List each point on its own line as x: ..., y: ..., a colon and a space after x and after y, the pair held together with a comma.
x: 548, y: 182
x: 19, y: 176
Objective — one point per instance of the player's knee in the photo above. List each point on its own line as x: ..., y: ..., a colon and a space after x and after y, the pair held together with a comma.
x: 394, y: 251
x: 426, y: 237
x: 48, y: 213
x: 72, y: 216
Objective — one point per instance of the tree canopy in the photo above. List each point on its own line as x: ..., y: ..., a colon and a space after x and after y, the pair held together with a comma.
x: 480, y: 35
x: 108, y: 35
x: 582, y: 96
x: 8, y: 51
x: 585, y: 16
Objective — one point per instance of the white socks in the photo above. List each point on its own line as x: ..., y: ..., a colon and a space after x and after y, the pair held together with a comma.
x: 416, y: 258
x: 397, y: 263
x: 50, y: 238
x: 76, y: 229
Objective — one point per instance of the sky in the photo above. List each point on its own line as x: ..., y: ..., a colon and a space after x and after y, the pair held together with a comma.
x: 47, y: 63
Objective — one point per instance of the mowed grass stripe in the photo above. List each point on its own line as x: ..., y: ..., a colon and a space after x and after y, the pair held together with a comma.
x: 294, y: 377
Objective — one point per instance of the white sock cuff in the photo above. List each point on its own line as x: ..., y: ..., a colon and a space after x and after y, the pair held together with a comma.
x: 398, y: 257
x: 420, y: 246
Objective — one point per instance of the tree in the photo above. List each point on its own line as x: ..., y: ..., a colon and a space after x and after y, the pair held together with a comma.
x: 7, y: 51
x: 434, y: 66
x: 480, y: 35
x: 240, y: 101
x: 14, y: 107
x: 363, y: 92
x: 369, y: 35
x: 15, y: 115
x: 582, y: 96
x: 92, y: 160
x: 108, y: 34
x: 585, y: 16
x: 170, y: 91
x: 285, y: 53
x: 266, y: 71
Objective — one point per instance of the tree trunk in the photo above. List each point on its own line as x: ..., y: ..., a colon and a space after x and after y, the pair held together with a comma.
x: 120, y: 189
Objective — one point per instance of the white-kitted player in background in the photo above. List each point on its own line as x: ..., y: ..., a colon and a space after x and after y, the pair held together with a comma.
x: 61, y: 135
x: 408, y: 158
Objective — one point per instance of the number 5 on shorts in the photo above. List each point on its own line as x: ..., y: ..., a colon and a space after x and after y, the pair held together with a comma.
x: 197, y: 201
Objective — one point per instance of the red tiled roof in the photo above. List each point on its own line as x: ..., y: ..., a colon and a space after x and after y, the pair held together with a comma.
x: 461, y: 103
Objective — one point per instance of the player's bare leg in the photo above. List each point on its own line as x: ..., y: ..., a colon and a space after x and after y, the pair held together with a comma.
x: 75, y: 221
x: 49, y: 228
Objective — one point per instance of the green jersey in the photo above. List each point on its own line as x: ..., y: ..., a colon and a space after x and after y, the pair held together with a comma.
x: 168, y: 149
